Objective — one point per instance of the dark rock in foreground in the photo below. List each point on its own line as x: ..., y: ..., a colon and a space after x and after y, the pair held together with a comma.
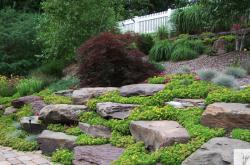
x: 96, y: 155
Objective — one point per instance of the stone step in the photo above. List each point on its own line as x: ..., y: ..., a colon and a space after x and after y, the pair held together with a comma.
x: 217, y: 151
x: 95, y: 130
x: 157, y: 134
x: 61, y: 113
x: 98, y: 154
x: 49, y: 141
x: 227, y: 115
x: 114, y: 110
x: 141, y: 89
x: 81, y: 96
x: 187, y: 103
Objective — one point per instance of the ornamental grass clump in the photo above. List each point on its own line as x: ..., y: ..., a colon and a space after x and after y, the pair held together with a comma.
x: 161, y: 51
x: 207, y: 75
x: 236, y: 72
x: 183, y: 53
x: 225, y: 80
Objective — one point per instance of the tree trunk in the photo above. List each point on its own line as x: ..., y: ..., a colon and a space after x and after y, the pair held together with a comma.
x: 242, y: 41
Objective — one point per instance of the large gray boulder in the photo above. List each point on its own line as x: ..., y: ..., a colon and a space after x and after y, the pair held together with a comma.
x: 81, y: 96
x: 227, y: 115
x: 49, y: 141
x: 10, y: 110
x: 97, y: 154
x: 31, y: 124
x: 95, y: 130
x: 18, y: 103
x: 2, y: 107
x: 217, y: 151
x: 141, y: 89
x: 37, y: 106
x: 115, y: 110
x: 157, y: 134
x: 61, y: 113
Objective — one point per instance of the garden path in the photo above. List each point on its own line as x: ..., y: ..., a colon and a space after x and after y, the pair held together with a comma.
x: 9, y: 156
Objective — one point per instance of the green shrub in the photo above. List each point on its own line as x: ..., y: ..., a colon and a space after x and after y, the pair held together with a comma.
x: 65, y: 83
x: 207, y: 75
x: 162, y: 33
x: 158, y: 65
x: 194, y: 44
x: 242, y: 134
x: 228, y: 38
x: 52, y: 68
x: 18, y: 49
x: 7, y: 86
x: 197, y: 45
x: 229, y: 95
x: 183, y: 53
x: 62, y: 156
x: 161, y: 51
x: 29, y: 86
x: 145, y: 43
x: 236, y: 72
x: 225, y: 80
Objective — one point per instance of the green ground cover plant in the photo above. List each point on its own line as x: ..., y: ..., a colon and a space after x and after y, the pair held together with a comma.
x: 62, y: 156
x: 242, y: 134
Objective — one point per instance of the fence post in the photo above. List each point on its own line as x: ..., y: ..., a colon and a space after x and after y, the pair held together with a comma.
x: 137, y: 27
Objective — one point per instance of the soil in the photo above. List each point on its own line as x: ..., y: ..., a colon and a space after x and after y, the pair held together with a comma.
x: 218, y: 63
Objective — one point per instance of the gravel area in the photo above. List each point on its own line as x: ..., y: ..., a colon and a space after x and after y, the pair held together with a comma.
x: 218, y: 63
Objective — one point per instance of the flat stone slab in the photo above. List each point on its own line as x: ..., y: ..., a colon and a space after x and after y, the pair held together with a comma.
x: 18, y: 103
x: 9, y: 110
x: 49, y: 141
x: 95, y: 130
x: 227, y: 115
x: 67, y: 93
x: 97, y: 154
x: 31, y: 124
x: 81, y: 96
x: 61, y: 113
x: 114, y: 110
x: 141, y: 89
x: 187, y: 103
x: 217, y: 151
x: 157, y: 134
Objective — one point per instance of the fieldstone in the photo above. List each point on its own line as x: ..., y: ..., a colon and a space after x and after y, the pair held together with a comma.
x: 220, y: 46
x: 98, y: 154
x: 31, y: 124
x: 61, y: 113
x: 67, y: 93
x: 37, y: 105
x: 95, y: 130
x: 49, y: 141
x: 141, y: 89
x: 10, y: 110
x: 187, y: 103
x: 217, y: 151
x: 18, y: 103
x: 157, y: 134
x: 81, y: 96
x: 227, y: 115
x: 114, y: 110
x: 2, y: 107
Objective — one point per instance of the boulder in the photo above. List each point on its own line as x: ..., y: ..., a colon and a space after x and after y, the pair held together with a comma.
x: 67, y: 93
x: 31, y: 124
x: 95, y: 130
x: 9, y: 111
x: 114, y: 110
x: 141, y: 89
x: 61, y: 113
x: 187, y: 103
x: 49, y: 141
x: 157, y: 134
x: 81, y: 96
x: 37, y: 105
x: 97, y: 154
x: 220, y: 46
x: 18, y: 103
x: 217, y: 151
x: 227, y: 115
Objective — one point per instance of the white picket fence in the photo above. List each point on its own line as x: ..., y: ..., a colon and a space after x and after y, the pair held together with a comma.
x: 148, y: 23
